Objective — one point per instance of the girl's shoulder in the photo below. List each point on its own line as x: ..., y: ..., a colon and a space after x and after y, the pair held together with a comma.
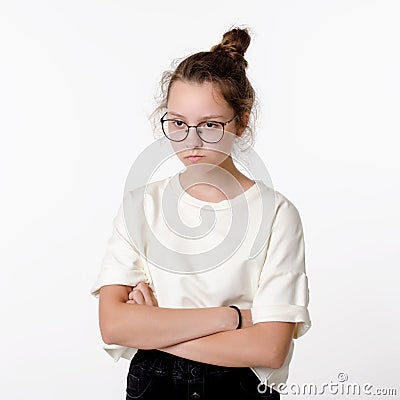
x: 151, y: 188
x: 268, y: 192
x: 284, y: 208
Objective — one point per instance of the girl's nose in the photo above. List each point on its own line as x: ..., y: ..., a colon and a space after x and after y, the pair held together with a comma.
x: 193, y: 139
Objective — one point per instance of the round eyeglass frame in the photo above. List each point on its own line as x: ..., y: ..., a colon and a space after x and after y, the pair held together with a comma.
x: 162, y: 120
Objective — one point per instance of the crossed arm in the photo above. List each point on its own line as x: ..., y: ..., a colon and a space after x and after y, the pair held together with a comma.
x: 132, y: 318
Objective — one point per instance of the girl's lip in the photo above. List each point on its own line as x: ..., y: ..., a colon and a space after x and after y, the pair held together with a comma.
x: 194, y: 158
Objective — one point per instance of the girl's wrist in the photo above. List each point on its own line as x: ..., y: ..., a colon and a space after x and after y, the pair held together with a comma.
x: 239, y: 316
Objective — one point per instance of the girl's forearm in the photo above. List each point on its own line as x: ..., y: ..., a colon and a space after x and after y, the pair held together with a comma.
x: 247, y: 347
x: 147, y: 327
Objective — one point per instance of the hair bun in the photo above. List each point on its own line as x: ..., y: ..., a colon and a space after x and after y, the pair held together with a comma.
x: 234, y: 43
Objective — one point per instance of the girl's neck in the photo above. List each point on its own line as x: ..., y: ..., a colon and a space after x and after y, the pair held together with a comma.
x: 215, y: 183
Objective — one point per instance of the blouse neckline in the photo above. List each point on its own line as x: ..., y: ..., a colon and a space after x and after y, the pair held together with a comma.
x: 220, y: 205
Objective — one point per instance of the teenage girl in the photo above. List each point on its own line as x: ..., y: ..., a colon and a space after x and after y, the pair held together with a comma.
x: 225, y: 331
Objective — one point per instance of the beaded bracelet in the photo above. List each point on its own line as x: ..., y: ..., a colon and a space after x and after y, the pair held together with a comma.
x: 240, y: 316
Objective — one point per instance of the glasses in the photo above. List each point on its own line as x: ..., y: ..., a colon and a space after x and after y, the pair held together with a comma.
x: 208, y: 131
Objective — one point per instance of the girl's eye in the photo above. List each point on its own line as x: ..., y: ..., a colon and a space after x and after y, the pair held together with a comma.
x: 210, y: 125
x: 178, y: 124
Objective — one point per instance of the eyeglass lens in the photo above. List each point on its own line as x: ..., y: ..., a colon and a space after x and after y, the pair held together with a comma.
x: 176, y: 130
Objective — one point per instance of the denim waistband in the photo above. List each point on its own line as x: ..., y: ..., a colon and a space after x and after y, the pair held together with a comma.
x: 184, y: 363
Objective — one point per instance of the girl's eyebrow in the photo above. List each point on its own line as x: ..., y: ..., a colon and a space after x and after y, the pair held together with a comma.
x: 202, y: 118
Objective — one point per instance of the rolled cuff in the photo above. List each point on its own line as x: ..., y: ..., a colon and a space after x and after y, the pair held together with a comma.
x: 284, y: 313
x: 116, y: 351
x: 115, y: 277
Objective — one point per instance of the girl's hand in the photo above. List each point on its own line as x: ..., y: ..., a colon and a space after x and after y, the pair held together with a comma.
x: 142, y: 294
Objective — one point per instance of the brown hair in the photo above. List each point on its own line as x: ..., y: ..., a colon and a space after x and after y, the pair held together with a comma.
x: 224, y: 65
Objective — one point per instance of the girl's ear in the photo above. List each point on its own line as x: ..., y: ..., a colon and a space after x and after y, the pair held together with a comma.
x: 243, y: 120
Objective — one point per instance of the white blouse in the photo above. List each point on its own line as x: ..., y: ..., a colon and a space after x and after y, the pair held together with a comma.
x: 247, y: 251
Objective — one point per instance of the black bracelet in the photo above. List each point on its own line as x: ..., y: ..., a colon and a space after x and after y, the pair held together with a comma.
x: 240, y: 316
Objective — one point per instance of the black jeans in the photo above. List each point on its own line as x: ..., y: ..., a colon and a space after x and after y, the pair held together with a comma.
x: 154, y: 374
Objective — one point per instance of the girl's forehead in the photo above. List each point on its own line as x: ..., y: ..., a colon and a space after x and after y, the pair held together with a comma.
x: 187, y: 98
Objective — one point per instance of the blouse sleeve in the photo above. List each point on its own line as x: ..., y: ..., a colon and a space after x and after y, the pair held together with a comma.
x: 282, y: 293
x: 121, y: 264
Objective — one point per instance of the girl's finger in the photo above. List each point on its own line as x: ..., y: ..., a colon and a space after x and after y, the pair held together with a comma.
x: 137, y: 296
x: 130, y: 294
x: 145, y: 290
x: 155, y: 302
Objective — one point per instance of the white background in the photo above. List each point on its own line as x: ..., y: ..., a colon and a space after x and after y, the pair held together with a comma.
x: 77, y: 83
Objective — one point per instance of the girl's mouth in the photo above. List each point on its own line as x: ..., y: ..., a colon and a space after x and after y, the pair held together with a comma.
x: 194, y: 158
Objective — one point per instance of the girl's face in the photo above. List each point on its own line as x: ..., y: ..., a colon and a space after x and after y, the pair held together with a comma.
x: 194, y: 103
